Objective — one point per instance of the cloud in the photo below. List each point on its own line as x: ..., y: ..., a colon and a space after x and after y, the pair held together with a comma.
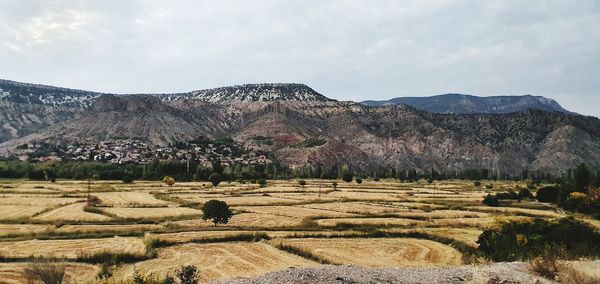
x: 345, y: 49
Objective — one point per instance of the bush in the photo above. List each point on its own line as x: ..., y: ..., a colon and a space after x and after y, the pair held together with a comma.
x: 526, y: 240
x: 359, y: 180
x: 511, y: 194
x: 525, y: 194
x: 477, y: 183
x: 45, y: 272
x: 491, y: 200
x: 575, y: 200
x: 302, y: 183
x: 215, y: 179
x: 376, y: 179
x: 347, y: 177
x: 547, y: 194
x: 262, y: 182
x: 127, y: 179
x: 188, y: 274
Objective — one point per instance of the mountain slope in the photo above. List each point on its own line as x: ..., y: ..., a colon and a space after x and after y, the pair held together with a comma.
x: 458, y: 103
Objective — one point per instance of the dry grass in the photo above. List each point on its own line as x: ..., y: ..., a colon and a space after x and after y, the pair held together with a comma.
x: 72, y: 212
x: 129, y: 199
x: 378, y: 253
x: 152, y: 213
x: 517, y: 211
x: 217, y: 261
x: 72, y: 248
x: 249, y: 220
x: 239, y: 200
x: 12, y: 273
x: 21, y: 229
x: 294, y: 211
x: 9, y: 212
x: 379, y: 222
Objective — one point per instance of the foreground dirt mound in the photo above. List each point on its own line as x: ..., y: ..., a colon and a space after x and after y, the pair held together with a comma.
x: 515, y: 272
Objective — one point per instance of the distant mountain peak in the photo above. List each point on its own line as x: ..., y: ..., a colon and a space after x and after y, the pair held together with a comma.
x: 254, y: 93
x: 462, y: 103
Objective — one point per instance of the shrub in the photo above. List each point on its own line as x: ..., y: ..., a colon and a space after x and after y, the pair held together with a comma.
x: 547, y: 194
x: 302, y: 183
x: 215, y: 179
x: 359, y: 180
x: 489, y: 186
x: 127, y: 179
x: 217, y: 211
x: 575, y: 200
x: 188, y: 274
x: 477, y: 183
x: 511, y: 194
x: 262, y: 182
x: 491, y: 200
x: 525, y: 194
x: 334, y: 185
x: 376, y: 179
x: 525, y: 240
x: 169, y: 181
x: 45, y: 272
x: 347, y: 177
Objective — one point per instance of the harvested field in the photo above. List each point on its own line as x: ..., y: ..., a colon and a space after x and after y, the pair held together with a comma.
x: 369, y: 221
x: 356, y: 207
x: 71, y: 248
x: 152, y: 213
x: 252, y: 220
x: 36, y: 200
x: 72, y: 212
x: 517, y: 211
x: 106, y: 228
x: 21, y: 229
x: 240, y: 200
x: 129, y: 199
x: 378, y: 253
x: 12, y: 273
x: 8, y: 212
x: 294, y: 211
x: 305, y: 197
x: 366, y: 195
x: 218, y: 261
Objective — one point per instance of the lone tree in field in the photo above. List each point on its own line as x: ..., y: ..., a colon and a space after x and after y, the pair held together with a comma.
x: 334, y: 185
x: 169, y: 181
x: 217, y: 211
x: 215, y: 179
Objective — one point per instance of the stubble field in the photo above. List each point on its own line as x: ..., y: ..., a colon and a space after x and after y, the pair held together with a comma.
x: 154, y: 229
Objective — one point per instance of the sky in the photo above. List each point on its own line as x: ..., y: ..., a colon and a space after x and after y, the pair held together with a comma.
x: 346, y: 50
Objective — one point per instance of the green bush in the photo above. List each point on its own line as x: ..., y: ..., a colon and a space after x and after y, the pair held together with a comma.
x: 547, y: 194
x: 526, y: 240
x: 525, y: 194
x: 359, y: 180
x: 491, y: 200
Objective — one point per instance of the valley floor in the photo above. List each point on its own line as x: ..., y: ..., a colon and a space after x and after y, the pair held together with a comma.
x: 397, y: 231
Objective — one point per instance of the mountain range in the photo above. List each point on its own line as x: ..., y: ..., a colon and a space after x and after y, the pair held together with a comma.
x: 459, y: 103
x: 508, y: 136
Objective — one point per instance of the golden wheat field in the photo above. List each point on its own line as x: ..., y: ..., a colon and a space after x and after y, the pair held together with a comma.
x: 154, y: 229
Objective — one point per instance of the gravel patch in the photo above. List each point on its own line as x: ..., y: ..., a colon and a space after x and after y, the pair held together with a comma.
x: 513, y: 272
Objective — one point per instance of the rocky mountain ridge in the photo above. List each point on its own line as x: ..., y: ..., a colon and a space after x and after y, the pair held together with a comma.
x: 459, y: 103
x: 363, y: 137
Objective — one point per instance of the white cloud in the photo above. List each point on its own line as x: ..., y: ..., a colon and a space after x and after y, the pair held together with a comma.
x: 345, y: 49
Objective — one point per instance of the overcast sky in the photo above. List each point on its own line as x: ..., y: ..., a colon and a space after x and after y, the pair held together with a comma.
x: 347, y: 50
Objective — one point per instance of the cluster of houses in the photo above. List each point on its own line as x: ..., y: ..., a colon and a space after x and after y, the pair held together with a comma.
x: 126, y: 151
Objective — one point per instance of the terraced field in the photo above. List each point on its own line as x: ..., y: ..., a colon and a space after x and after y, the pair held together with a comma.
x: 156, y: 229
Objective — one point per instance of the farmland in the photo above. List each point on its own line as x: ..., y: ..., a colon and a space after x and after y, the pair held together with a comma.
x: 154, y: 229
